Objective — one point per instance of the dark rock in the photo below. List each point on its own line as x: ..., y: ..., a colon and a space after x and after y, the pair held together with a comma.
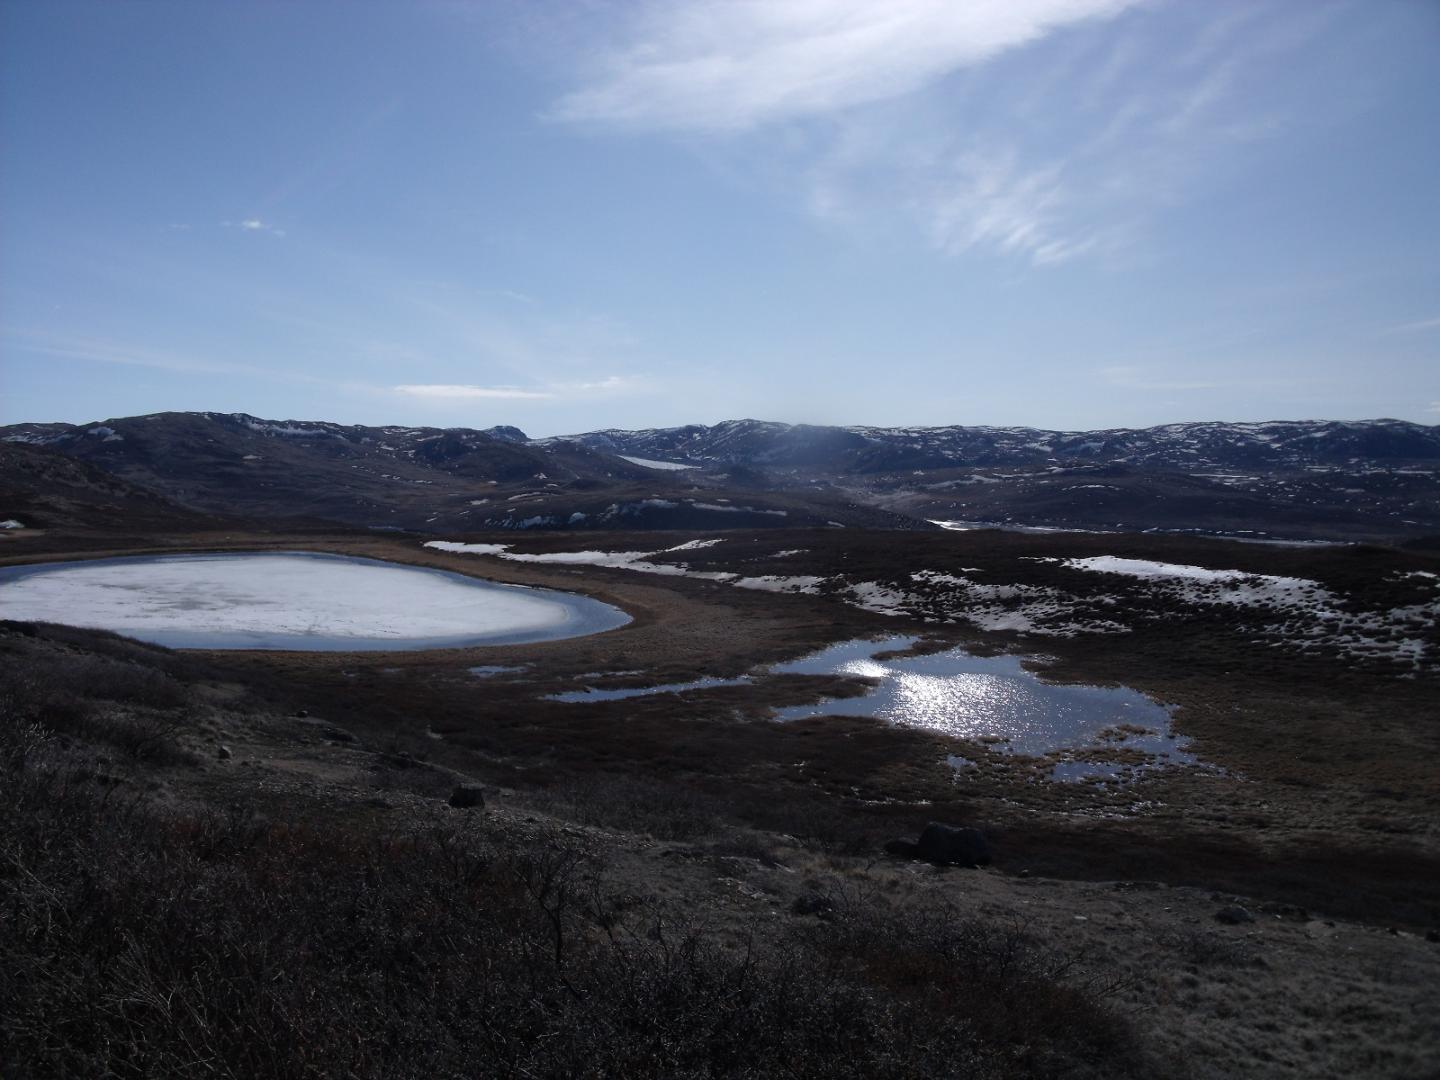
x: 1288, y: 912
x: 1234, y: 915
x: 907, y: 849
x: 302, y: 713
x: 813, y: 904
x: 223, y: 752
x: 1433, y: 936
x: 951, y: 845
x: 468, y: 796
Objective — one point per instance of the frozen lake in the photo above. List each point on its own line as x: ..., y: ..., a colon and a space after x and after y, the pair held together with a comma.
x: 294, y: 600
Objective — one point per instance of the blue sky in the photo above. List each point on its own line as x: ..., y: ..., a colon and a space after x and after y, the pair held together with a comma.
x: 1059, y: 213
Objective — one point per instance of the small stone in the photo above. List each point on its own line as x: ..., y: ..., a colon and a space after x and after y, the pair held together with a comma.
x: 813, y: 904
x: 467, y: 797
x: 302, y: 713
x: 1433, y: 936
x: 223, y: 752
x: 1234, y: 915
x: 950, y: 845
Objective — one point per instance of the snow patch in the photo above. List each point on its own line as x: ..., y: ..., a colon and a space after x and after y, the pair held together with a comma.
x: 650, y: 463
x: 800, y: 583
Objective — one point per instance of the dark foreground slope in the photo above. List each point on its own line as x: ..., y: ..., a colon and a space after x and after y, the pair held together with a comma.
x: 163, y: 920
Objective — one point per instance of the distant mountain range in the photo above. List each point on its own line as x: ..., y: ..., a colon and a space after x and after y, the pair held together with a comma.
x: 1291, y: 444
x: 1360, y: 479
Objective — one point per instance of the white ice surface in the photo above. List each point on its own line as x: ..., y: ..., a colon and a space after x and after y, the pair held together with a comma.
x: 275, y: 594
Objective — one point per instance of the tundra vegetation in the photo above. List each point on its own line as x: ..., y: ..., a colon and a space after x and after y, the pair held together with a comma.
x: 277, y: 864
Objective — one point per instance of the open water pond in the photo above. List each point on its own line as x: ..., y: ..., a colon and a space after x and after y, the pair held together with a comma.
x: 590, y: 693
x: 294, y: 601
x: 989, y: 699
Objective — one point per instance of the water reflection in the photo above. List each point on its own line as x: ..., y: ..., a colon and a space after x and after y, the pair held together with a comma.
x: 486, y: 671
x: 989, y: 699
x: 590, y: 693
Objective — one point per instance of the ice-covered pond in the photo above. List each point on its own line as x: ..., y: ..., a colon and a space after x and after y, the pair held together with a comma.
x: 294, y: 600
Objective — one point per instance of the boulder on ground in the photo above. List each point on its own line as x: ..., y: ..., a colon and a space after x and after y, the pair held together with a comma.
x: 1234, y: 915
x: 951, y: 845
x: 468, y: 796
x: 813, y: 904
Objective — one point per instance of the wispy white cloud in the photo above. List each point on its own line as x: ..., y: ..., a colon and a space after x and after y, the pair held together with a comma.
x: 254, y: 225
x: 1037, y: 130
x: 1433, y: 407
x: 609, y: 386
x: 727, y: 65
x: 458, y: 392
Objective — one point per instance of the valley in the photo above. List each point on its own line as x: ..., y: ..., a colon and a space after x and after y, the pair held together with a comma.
x: 1232, y: 875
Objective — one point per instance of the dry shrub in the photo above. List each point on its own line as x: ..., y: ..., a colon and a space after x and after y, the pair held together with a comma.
x: 141, y: 941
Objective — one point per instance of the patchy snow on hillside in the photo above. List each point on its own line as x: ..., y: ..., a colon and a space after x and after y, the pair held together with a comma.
x: 1307, y: 616
x: 457, y: 548
x: 717, y: 508
x: 1289, y: 613
x: 289, y: 431
x: 638, y: 561
x: 1200, y: 585
x: 695, y: 545
x: 800, y: 583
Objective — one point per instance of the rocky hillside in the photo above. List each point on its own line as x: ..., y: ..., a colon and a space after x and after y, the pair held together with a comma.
x: 1297, y: 479
x: 1291, y: 444
x: 41, y: 490
x: 412, y: 477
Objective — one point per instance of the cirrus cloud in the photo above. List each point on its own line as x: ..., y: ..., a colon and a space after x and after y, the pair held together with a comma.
x: 460, y: 392
x: 732, y: 66
x: 609, y: 386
